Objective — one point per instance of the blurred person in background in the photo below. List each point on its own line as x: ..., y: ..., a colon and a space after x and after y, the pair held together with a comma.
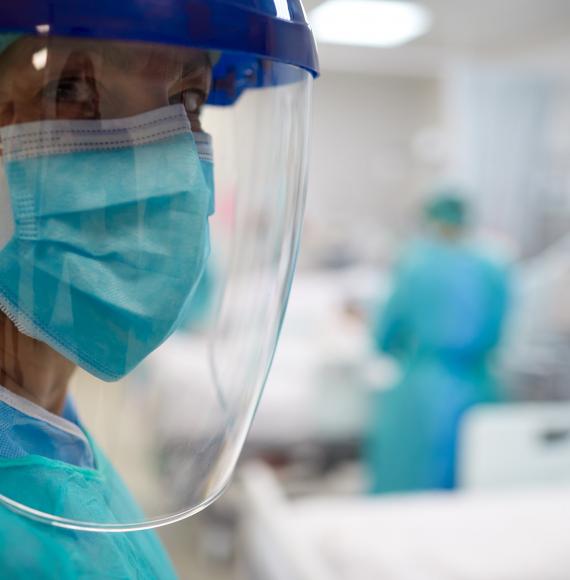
x: 442, y: 322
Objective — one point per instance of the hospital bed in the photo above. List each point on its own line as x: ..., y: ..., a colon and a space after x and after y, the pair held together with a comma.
x: 479, y: 535
x: 510, y: 522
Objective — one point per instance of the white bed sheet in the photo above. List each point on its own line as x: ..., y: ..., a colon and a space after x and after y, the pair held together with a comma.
x: 522, y: 535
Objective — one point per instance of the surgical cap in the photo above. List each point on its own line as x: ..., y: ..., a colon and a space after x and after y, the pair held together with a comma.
x: 447, y: 208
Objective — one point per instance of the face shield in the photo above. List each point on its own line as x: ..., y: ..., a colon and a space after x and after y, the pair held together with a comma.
x: 151, y: 199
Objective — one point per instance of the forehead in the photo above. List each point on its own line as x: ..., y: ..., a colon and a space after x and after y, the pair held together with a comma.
x: 129, y: 57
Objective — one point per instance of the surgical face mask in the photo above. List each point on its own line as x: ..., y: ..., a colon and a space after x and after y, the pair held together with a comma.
x: 6, y: 216
x: 110, y: 233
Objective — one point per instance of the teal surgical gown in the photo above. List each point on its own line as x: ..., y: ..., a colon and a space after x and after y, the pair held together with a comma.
x: 50, y: 464
x: 442, y: 322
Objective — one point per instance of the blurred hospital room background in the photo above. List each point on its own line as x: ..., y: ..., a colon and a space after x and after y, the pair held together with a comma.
x: 375, y: 455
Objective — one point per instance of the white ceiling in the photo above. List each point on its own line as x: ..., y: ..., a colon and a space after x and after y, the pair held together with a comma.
x: 476, y: 28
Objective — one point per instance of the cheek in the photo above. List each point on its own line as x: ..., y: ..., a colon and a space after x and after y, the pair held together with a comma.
x: 79, y: 111
x: 28, y: 111
x: 6, y: 114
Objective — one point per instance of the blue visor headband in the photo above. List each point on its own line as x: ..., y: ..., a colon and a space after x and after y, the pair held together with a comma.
x: 262, y: 41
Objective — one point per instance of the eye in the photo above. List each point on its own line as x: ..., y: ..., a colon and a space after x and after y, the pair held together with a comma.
x: 192, y: 99
x: 71, y: 90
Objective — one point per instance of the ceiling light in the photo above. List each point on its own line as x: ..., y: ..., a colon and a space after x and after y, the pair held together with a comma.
x: 369, y: 22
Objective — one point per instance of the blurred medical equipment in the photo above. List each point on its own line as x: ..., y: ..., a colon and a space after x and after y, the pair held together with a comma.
x: 515, y: 445
x: 536, y: 353
x: 274, y: 548
x: 483, y: 535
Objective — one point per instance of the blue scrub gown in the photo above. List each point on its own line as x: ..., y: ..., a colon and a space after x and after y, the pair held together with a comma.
x: 49, y: 463
x: 442, y: 322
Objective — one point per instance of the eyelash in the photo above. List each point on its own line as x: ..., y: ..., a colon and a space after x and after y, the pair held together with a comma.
x: 70, y: 84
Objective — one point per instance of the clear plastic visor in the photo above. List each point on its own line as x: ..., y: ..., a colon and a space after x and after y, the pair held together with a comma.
x: 147, y: 246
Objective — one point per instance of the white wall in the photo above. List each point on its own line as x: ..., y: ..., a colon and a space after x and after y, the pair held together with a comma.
x: 511, y: 148
x: 365, y: 172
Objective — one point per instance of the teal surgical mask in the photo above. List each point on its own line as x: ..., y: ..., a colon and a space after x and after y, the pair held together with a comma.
x: 110, y: 233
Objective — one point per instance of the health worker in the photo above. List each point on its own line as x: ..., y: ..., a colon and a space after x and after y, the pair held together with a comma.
x: 123, y: 125
x: 442, y: 323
